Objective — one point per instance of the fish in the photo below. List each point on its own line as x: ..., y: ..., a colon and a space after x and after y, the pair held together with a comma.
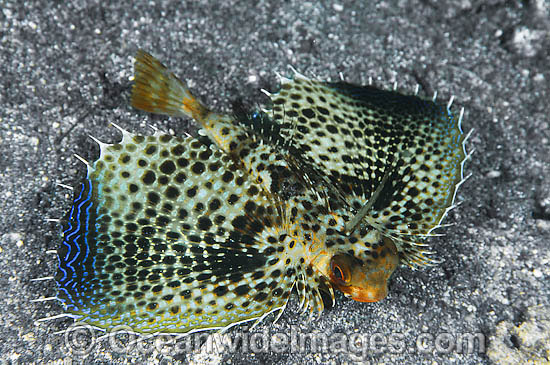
x: 330, y: 187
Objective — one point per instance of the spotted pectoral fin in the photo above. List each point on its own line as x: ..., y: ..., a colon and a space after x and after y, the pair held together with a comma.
x: 332, y: 138
x: 361, y: 139
x: 175, y: 288
x: 168, y: 234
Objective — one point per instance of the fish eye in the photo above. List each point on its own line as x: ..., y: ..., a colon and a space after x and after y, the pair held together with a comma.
x: 337, y: 272
x: 340, y: 269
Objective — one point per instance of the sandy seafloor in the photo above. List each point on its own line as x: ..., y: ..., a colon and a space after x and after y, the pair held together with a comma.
x: 65, y: 73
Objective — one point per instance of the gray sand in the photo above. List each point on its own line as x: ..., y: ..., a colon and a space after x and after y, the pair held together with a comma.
x: 66, y: 74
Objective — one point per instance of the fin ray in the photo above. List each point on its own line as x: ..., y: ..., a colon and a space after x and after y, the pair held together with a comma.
x: 184, y: 250
x: 349, y: 144
x: 157, y: 90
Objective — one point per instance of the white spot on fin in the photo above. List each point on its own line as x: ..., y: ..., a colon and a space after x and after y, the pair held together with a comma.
x: 450, y: 103
x: 297, y: 74
x: 62, y: 315
x: 81, y: 159
x: 282, y: 79
x: 64, y: 186
x: 125, y: 134
x: 44, y: 278
x: 43, y: 299
x: 460, y: 116
x: 102, y: 145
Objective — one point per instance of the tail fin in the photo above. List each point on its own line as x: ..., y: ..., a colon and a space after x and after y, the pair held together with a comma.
x: 157, y: 90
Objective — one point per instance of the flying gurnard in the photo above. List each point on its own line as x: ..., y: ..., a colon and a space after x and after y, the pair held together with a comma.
x: 332, y: 187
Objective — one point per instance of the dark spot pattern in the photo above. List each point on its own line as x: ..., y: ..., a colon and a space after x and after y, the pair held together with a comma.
x: 178, y: 233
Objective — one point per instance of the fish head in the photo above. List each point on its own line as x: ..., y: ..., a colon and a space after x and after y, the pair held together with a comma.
x: 364, y: 277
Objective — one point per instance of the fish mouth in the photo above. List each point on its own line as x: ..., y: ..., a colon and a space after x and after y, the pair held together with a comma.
x: 370, y: 294
x: 369, y: 283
